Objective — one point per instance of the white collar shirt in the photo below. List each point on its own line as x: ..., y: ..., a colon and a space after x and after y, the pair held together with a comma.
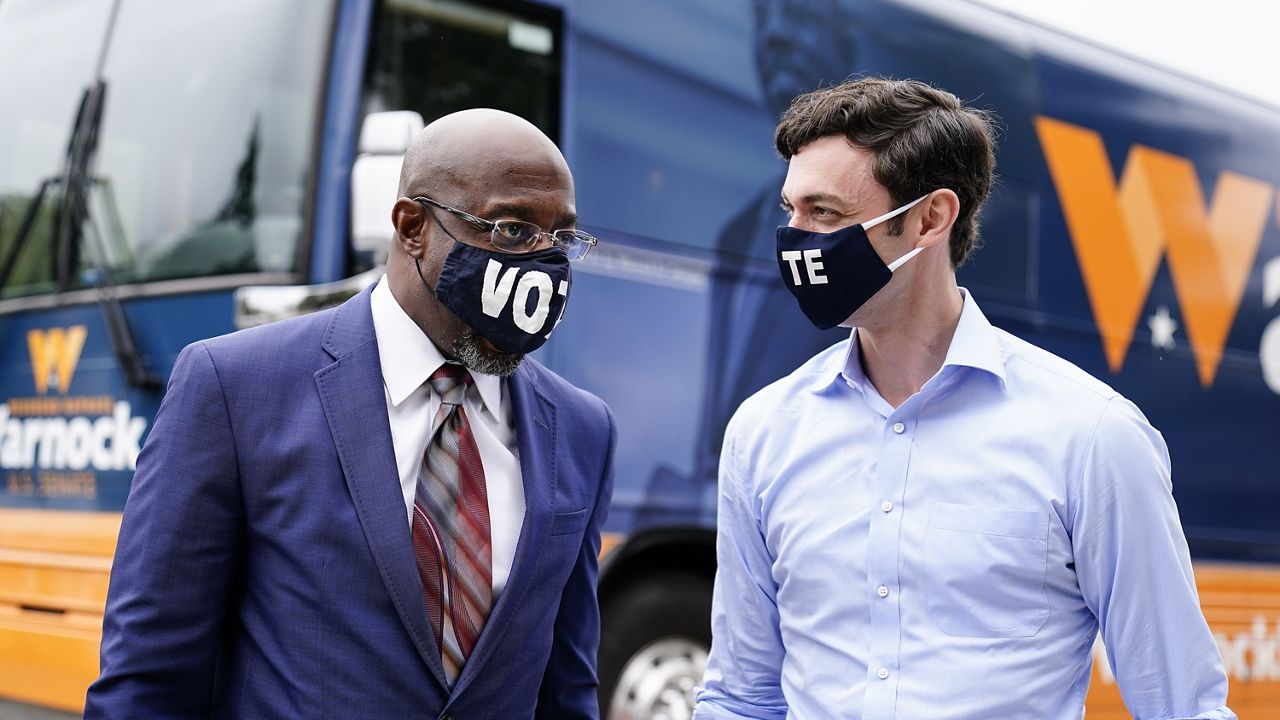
x: 408, y: 358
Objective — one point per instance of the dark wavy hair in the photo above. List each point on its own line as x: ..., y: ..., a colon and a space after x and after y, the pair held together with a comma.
x: 922, y: 138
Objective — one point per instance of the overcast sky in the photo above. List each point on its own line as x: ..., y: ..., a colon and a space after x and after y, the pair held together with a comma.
x: 1233, y: 43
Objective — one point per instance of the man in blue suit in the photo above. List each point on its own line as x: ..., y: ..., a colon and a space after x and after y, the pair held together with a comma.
x: 381, y: 510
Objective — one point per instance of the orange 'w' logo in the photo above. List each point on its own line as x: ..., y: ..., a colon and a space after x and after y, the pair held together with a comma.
x: 55, y: 352
x: 1119, y: 234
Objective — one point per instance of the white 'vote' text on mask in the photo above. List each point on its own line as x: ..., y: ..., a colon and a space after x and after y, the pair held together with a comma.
x: 499, y: 288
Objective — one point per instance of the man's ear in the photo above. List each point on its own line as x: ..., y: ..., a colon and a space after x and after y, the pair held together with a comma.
x: 409, y: 219
x: 936, y: 216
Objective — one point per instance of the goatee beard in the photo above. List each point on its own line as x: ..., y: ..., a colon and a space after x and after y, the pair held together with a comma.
x: 469, y: 350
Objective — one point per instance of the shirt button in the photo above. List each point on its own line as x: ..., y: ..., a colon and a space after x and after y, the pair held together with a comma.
x: 886, y: 506
x: 883, y: 673
x: 899, y: 428
x: 882, y: 591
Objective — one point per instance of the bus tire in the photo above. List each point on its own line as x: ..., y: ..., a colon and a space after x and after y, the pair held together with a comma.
x: 655, y: 634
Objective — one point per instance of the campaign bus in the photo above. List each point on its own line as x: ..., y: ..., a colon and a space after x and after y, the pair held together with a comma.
x: 172, y: 171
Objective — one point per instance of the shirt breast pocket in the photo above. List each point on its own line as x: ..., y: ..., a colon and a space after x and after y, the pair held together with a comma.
x: 985, y: 570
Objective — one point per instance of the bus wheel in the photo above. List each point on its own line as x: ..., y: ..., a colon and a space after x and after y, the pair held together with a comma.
x: 653, y: 647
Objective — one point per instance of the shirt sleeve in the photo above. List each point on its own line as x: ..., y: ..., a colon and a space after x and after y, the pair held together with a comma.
x: 743, y: 671
x: 1135, y: 574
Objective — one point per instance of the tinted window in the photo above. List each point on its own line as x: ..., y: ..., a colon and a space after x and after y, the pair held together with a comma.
x: 438, y: 56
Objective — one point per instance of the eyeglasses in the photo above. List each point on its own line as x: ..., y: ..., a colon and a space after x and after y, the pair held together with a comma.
x: 517, y: 236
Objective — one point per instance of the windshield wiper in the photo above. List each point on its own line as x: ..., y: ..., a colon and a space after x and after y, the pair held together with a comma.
x: 77, y: 216
x: 74, y: 217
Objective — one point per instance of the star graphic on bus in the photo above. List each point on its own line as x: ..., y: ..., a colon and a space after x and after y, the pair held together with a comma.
x: 1162, y: 328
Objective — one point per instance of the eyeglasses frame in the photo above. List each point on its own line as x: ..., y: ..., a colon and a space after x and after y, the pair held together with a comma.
x: 482, y: 224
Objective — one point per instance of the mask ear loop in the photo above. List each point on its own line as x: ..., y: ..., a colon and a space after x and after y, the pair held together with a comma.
x: 890, y: 215
x: 418, y: 263
x: 902, y: 260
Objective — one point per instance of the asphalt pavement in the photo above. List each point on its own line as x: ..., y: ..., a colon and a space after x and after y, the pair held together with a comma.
x: 10, y: 710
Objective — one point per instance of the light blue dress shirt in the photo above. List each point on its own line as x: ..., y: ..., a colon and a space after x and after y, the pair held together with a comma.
x: 955, y: 557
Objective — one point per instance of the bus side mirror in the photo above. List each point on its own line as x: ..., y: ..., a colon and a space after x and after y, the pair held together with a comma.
x: 375, y: 179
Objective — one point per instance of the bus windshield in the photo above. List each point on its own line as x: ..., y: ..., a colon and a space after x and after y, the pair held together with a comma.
x: 204, y: 145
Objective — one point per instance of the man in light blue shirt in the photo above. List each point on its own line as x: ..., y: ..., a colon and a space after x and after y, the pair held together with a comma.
x: 934, y: 519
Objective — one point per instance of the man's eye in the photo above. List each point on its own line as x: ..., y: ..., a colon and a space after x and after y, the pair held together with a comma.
x: 823, y: 212
x: 511, y: 231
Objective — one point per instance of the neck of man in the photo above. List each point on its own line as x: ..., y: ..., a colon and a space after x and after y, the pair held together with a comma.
x: 411, y: 293
x: 907, y: 342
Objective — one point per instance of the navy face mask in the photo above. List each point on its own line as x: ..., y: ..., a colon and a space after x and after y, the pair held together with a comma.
x: 512, y: 300
x: 832, y: 274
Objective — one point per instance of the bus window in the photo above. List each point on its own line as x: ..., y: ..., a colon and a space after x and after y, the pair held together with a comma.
x: 439, y: 56
x: 206, y: 138
x: 48, y: 55
x: 204, y: 144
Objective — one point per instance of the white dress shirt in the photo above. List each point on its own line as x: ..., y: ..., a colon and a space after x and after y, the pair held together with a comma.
x: 408, y: 358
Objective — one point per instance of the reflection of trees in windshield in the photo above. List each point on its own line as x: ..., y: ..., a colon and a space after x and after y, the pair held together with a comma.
x: 224, y: 244
x: 33, y: 271
x: 60, y: 198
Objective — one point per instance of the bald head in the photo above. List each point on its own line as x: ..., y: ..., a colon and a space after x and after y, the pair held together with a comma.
x: 469, y: 150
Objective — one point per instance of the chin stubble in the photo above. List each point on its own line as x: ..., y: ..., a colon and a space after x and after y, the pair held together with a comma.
x: 477, y: 358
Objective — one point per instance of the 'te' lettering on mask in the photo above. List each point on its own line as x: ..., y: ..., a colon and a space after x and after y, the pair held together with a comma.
x: 832, y: 274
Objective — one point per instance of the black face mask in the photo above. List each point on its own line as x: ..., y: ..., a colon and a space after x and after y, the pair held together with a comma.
x: 833, y: 274
x: 512, y: 300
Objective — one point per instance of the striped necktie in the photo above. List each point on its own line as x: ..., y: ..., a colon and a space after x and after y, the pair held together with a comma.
x: 451, y: 538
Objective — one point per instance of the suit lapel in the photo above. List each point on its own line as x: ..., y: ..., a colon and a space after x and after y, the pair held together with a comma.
x: 535, y: 425
x: 354, y: 404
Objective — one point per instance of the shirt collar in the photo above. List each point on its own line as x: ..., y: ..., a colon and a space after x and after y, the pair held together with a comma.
x: 408, y: 356
x: 975, y: 344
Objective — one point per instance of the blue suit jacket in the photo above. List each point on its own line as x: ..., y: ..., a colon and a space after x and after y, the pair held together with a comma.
x: 265, y: 570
